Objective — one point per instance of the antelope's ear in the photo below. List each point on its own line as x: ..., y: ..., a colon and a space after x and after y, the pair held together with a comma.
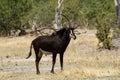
x: 65, y: 26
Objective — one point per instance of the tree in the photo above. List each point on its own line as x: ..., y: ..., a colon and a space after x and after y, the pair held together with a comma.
x: 58, y: 17
x: 117, y: 5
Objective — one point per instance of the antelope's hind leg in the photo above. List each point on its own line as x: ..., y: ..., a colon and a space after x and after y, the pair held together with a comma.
x: 38, y: 54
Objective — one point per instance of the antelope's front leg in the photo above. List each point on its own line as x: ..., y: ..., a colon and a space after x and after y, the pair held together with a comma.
x: 53, y: 62
x: 61, y: 61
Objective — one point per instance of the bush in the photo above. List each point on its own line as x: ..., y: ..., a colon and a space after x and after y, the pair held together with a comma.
x: 103, y: 32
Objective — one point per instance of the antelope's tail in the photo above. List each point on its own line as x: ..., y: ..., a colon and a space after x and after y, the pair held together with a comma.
x: 30, y: 53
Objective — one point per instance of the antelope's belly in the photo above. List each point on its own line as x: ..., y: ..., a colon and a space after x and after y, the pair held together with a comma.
x: 45, y: 52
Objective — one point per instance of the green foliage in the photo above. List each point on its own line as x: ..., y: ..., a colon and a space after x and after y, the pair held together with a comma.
x: 117, y: 31
x: 103, y: 34
x: 83, y: 11
x: 12, y: 13
x: 15, y: 13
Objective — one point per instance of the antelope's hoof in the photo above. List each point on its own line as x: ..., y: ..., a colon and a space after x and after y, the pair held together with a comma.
x: 52, y: 72
x: 38, y: 73
x: 62, y: 70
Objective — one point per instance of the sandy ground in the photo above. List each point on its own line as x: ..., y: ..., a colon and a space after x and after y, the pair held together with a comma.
x: 82, y: 61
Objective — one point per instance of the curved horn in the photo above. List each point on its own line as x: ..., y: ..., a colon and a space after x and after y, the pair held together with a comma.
x: 67, y: 19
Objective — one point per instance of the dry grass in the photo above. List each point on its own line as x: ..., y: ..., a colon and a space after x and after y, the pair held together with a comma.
x: 17, y: 46
x: 81, y: 60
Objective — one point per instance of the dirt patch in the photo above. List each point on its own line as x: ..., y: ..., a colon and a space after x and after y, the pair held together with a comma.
x: 20, y: 68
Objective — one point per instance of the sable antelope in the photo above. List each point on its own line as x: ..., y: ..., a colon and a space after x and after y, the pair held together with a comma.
x: 55, y: 43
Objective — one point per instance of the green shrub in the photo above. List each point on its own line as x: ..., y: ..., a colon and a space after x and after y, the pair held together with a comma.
x: 103, y: 32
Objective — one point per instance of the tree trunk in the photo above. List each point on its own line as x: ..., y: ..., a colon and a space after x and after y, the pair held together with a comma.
x: 58, y: 18
x: 33, y: 24
x: 117, y: 5
x: 116, y: 39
